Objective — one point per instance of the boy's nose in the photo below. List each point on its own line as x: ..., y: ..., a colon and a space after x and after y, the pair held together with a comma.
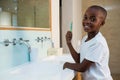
x: 87, y: 22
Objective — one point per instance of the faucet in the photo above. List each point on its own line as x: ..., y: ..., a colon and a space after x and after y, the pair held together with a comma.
x: 14, y: 41
x: 6, y: 42
x: 21, y: 41
x: 42, y: 39
x: 39, y: 39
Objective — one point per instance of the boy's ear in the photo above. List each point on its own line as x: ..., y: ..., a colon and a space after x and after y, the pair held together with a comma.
x: 103, y: 22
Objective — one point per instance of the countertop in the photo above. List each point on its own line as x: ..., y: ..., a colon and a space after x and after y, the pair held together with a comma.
x: 50, y: 68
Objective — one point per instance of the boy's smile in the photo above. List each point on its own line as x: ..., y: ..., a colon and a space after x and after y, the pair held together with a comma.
x: 92, y: 20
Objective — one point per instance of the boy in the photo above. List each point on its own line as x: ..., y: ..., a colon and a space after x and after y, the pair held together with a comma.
x: 94, y: 53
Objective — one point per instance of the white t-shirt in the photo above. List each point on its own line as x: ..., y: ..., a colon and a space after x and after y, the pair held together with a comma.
x: 96, y: 50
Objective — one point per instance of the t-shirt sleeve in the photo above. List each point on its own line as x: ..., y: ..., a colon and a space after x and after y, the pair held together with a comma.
x: 95, y: 52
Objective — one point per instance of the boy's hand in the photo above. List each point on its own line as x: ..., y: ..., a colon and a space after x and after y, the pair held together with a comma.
x: 65, y: 65
x: 68, y: 37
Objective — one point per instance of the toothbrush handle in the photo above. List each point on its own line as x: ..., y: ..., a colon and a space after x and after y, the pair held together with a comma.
x: 71, y: 26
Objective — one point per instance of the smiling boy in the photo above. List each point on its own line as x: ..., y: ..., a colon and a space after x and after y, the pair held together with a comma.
x: 93, y: 59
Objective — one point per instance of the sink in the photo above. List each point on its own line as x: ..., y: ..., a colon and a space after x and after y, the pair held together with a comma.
x: 63, y: 58
x: 50, y: 68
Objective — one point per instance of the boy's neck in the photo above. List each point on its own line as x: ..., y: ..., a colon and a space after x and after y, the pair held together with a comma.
x: 91, y: 35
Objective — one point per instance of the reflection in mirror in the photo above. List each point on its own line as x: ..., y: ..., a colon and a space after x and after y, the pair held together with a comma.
x: 25, y: 13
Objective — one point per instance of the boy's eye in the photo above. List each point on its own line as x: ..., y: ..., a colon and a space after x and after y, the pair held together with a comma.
x: 93, y: 19
x: 85, y: 18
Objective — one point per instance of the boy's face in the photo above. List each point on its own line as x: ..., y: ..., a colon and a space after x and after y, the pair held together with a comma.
x: 93, y: 20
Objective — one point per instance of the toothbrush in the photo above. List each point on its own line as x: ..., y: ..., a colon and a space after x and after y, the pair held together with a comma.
x: 71, y: 26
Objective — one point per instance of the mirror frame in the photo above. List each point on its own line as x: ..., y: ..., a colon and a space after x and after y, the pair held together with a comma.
x: 32, y: 28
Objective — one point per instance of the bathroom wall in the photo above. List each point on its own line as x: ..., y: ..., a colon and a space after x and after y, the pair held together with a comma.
x: 67, y: 19
x: 110, y: 30
x: 71, y: 12
x: 77, y: 23
x: 55, y: 23
x: 13, y: 55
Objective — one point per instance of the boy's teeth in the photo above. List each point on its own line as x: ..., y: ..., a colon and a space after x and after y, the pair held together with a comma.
x: 86, y: 26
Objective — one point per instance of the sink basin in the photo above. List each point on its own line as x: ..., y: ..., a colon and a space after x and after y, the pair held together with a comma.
x: 50, y: 68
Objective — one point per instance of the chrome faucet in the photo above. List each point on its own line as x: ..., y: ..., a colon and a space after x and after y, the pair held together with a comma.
x: 6, y: 42
x: 21, y: 41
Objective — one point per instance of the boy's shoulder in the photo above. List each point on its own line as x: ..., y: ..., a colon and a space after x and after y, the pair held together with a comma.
x: 99, y: 38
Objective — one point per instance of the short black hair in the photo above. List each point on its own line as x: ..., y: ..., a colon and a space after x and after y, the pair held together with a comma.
x: 103, y: 10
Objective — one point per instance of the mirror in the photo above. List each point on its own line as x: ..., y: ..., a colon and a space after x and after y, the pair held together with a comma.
x: 25, y: 13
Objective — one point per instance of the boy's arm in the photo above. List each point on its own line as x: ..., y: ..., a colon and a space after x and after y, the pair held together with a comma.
x: 74, y: 54
x: 80, y: 67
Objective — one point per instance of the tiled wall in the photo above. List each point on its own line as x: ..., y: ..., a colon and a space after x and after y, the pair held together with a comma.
x: 41, y: 48
x: 13, y: 55
x: 111, y: 28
